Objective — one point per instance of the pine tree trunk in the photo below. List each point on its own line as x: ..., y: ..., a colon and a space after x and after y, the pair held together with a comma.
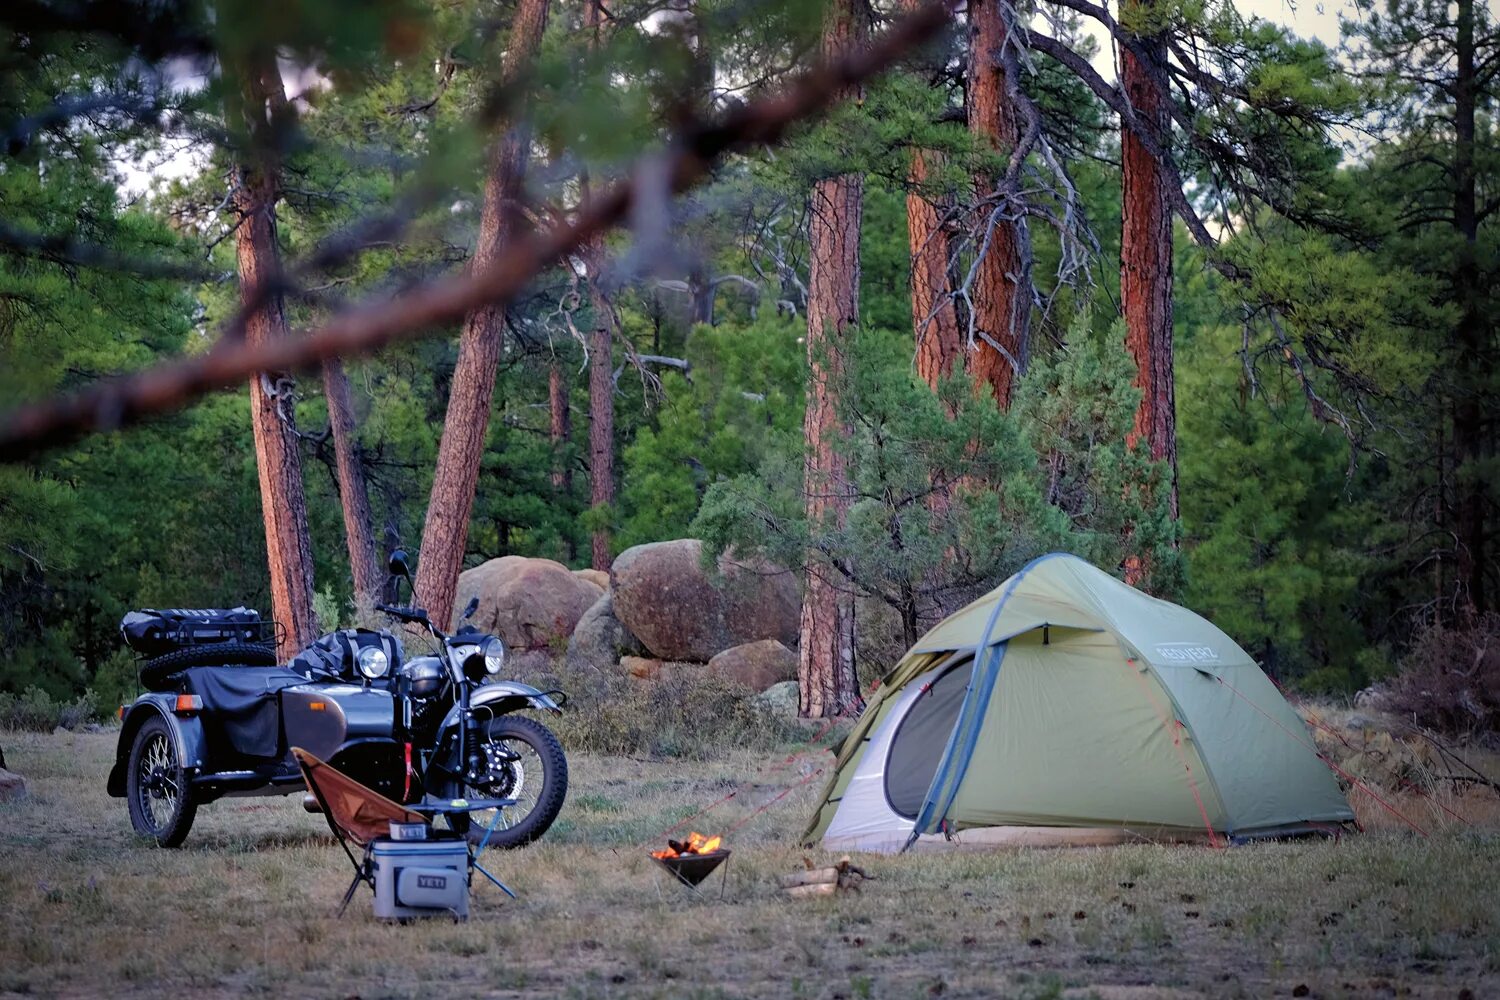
x: 1146, y: 263
x: 601, y: 407
x: 560, y: 430
x: 1469, y: 367
x: 601, y: 370
x: 445, y: 534
x: 1002, y: 286
x: 354, y: 493
x: 934, y: 318
x: 826, y: 675
x: 278, y: 458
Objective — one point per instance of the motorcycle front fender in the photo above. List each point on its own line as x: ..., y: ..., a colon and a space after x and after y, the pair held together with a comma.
x: 503, y: 697
x: 187, y: 736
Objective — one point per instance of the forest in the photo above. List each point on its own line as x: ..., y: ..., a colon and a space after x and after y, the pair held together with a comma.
x: 1161, y: 284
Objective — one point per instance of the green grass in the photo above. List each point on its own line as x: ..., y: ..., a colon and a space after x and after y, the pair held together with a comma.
x: 245, y: 906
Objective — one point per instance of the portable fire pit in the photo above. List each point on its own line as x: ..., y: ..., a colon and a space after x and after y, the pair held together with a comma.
x: 692, y: 860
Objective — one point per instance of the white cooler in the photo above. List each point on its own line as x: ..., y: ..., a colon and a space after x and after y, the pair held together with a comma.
x: 421, y: 878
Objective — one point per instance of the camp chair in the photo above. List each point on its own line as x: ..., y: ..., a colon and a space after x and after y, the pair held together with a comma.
x: 362, y: 815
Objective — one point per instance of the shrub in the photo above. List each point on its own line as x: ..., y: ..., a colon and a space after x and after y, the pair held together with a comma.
x: 687, y: 714
x: 37, y: 710
x: 1450, y: 681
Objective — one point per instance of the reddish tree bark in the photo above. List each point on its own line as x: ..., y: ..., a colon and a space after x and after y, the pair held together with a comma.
x: 934, y: 318
x: 259, y: 101
x: 354, y: 492
x: 446, y: 532
x: 1001, y: 291
x: 826, y: 675
x: 1146, y: 260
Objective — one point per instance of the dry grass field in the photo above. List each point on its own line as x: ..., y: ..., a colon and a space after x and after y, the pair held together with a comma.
x: 245, y: 907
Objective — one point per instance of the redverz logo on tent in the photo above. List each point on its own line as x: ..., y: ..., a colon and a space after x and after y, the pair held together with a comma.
x: 432, y: 882
x: 1187, y: 652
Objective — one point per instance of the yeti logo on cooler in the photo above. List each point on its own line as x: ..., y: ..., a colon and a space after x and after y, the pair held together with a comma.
x: 1187, y: 652
x: 432, y: 882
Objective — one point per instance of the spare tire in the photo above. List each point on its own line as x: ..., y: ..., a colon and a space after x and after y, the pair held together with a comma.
x: 157, y: 672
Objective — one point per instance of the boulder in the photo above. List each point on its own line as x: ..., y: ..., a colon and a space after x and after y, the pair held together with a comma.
x: 755, y: 665
x: 597, y: 577
x: 529, y: 603
x: 665, y: 598
x: 642, y: 668
x: 779, y: 699
x: 600, y: 639
x: 12, y: 786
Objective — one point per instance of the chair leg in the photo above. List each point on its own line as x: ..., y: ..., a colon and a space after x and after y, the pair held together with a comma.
x: 474, y: 855
x: 363, y: 872
x: 349, y: 894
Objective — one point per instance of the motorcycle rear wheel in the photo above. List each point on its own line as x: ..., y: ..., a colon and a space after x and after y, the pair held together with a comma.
x: 157, y: 788
x: 538, y: 780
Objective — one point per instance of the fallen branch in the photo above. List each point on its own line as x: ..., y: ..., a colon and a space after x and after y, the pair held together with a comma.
x: 369, y: 327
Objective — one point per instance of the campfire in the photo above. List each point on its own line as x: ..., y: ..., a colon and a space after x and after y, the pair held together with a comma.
x: 692, y: 860
x: 695, y: 843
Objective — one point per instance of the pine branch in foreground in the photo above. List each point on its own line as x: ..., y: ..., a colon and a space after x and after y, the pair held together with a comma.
x: 368, y: 327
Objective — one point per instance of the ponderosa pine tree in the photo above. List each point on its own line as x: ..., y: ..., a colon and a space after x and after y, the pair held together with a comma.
x: 934, y: 315
x: 601, y: 339
x: 1002, y: 283
x: 257, y: 104
x: 826, y: 676
x: 354, y: 492
x: 446, y: 532
x: 1440, y: 65
x: 1146, y: 246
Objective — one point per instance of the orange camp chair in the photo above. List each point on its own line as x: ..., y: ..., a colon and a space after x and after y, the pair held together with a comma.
x: 362, y: 815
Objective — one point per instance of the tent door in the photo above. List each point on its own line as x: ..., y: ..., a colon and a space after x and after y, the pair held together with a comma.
x: 960, y: 747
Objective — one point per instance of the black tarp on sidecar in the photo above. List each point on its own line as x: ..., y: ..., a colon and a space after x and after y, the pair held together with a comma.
x: 241, y: 707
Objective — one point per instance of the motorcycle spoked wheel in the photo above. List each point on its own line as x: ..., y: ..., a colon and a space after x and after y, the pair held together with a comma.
x: 527, y: 764
x: 156, y: 788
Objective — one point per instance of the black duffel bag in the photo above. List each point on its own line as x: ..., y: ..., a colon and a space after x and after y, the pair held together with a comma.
x: 152, y: 632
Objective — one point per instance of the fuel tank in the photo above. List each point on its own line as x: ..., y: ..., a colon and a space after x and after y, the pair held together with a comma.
x: 320, y: 718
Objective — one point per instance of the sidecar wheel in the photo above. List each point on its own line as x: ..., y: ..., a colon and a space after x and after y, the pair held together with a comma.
x: 537, y: 779
x: 156, y: 787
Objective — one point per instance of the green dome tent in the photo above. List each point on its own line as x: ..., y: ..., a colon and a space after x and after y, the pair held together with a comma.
x: 1067, y: 707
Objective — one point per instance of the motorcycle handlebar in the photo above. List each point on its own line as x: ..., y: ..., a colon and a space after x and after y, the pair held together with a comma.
x: 404, y: 613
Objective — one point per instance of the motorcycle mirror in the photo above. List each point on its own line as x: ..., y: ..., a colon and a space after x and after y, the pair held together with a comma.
x: 398, y: 564
x: 473, y: 607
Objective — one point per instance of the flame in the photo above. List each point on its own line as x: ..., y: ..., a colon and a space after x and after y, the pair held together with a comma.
x: 695, y: 843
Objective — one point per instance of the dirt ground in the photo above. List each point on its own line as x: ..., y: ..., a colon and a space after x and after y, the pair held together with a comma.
x: 87, y: 909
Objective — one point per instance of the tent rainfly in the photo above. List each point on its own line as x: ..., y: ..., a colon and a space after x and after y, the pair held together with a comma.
x: 1066, y: 707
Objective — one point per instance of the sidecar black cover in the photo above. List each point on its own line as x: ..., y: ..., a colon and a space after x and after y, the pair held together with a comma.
x: 242, y: 711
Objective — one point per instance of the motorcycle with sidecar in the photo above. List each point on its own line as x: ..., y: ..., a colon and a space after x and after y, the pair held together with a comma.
x: 219, y: 718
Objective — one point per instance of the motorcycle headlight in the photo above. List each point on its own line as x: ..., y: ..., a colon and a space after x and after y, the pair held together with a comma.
x: 373, y: 662
x: 494, y: 655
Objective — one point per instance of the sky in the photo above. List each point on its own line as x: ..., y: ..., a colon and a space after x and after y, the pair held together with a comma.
x: 1305, y: 18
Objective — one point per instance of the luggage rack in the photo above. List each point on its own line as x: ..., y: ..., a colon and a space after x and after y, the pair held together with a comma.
x: 265, y: 633
x: 153, y: 633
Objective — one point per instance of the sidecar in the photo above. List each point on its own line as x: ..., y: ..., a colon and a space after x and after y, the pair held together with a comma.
x: 209, y: 729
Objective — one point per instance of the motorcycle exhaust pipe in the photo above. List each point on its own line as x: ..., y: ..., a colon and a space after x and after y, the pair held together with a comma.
x: 310, y: 803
